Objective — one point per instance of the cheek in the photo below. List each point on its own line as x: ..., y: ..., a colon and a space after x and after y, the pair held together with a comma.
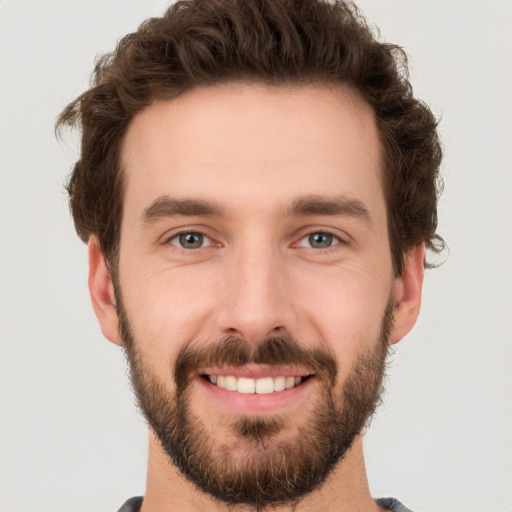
x: 166, y: 311
x: 347, y: 310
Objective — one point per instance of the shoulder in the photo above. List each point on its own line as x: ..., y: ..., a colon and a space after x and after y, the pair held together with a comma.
x: 392, y: 504
x: 132, y: 505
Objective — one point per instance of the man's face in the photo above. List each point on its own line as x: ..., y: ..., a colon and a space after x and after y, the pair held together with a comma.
x: 254, y: 253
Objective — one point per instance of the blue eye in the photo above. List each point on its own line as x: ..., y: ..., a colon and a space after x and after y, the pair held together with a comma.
x: 190, y: 240
x: 319, y: 240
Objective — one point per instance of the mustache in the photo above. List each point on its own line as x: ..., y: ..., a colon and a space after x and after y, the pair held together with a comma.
x: 236, y: 352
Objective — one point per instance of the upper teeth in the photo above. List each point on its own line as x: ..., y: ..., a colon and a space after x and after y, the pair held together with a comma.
x: 260, y: 386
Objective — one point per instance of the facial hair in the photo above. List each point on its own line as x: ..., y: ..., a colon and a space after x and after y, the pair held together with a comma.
x: 273, y: 472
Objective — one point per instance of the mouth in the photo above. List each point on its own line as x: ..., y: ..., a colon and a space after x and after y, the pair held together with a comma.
x: 261, y: 386
x: 254, y: 389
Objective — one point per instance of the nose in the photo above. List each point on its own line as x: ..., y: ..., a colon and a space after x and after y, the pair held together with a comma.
x: 257, y: 300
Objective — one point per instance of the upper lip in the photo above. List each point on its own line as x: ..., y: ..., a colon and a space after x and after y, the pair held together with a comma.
x: 255, y: 371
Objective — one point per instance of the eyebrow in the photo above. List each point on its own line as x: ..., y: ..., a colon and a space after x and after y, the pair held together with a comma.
x: 334, y: 206
x: 166, y: 206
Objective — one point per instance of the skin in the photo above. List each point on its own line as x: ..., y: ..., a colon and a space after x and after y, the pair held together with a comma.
x: 253, y: 150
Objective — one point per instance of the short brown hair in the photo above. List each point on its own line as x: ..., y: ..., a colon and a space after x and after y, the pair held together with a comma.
x: 205, y: 42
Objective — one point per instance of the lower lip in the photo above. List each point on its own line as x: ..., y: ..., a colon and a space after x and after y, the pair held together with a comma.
x: 254, y: 403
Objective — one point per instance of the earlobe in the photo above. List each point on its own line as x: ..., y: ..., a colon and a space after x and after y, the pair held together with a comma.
x: 407, y: 294
x: 101, y: 289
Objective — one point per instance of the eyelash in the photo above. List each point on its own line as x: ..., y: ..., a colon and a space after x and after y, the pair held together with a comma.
x: 335, y: 239
x: 176, y: 236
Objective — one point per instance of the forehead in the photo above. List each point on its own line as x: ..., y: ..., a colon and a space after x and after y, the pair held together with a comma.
x: 253, y: 147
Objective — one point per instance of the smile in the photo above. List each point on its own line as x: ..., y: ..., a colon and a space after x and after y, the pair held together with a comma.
x: 261, y: 386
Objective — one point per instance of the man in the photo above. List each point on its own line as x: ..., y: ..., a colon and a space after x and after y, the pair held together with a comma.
x: 257, y: 187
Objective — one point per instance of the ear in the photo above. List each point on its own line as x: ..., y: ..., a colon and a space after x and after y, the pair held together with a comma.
x: 101, y: 289
x: 407, y: 294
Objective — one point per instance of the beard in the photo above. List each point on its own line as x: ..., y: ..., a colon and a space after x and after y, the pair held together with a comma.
x: 262, y: 464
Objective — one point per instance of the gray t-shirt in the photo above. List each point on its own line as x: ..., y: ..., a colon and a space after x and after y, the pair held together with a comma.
x: 392, y: 504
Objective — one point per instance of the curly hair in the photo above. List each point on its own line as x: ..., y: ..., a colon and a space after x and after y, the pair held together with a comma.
x: 205, y: 42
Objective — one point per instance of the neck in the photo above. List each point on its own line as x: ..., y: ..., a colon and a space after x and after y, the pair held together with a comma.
x: 345, y: 489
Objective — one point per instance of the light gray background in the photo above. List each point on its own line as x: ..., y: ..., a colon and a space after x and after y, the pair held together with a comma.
x: 71, y: 440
